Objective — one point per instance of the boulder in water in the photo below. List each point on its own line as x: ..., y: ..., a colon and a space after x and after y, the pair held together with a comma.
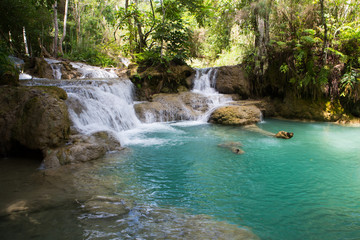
x: 32, y: 117
x: 284, y: 135
x: 236, y: 115
x: 81, y: 148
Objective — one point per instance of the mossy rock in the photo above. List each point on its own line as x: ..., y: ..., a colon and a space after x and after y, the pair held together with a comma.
x: 161, y: 79
x: 57, y: 92
x: 32, y: 118
x: 236, y: 115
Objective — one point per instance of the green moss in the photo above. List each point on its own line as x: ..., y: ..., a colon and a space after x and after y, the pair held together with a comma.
x: 57, y: 92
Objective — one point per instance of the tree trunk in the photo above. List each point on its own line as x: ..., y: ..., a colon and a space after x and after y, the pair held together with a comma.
x: 130, y: 27
x: 56, y: 27
x: 325, y: 43
x: 64, y: 29
x: 163, y: 22
x: 25, y: 43
x: 262, y: 38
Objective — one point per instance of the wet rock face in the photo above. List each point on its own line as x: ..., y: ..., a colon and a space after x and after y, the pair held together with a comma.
x: 233, y: 80
x: 161, y: 79
x: 36, y: 118
x: 236, y: 115
x: 172, y: 107
x: 38, y: 67
x: 68, y: 71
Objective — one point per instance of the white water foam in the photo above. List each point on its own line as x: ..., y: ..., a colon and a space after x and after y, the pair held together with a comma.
x: 88, y: 71
x: 102, y: 106
x: 205, y: 83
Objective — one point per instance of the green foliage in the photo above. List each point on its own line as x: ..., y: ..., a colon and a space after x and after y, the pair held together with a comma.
x: 33, y: 15
x: 9, y: 74
x: 91, y: 55
x: 284, y: 68
x: 349, y: 82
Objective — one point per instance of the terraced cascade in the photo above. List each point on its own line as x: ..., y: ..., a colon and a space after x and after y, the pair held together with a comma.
x: 186, y: 179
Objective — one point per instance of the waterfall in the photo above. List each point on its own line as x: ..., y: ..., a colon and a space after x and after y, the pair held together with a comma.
x: 95, y: 105
x: 99, y: 106
x: 205, y: 81
x: 55, y: 66
x: 88, y: 71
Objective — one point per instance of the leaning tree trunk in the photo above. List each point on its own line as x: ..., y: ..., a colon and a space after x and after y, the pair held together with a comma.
x: 64, y: 29
x: 56, y: 27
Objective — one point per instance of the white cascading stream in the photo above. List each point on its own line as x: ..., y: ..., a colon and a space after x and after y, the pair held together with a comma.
x: 88, y: 71
x: 98, y: 105
x: 205, y: 83
x: 102, y: 106
x: 55, y: 66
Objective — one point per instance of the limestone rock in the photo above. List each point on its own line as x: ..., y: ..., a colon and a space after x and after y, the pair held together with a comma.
x: 81, y: 148
x: 172, y: 107
x: 233, y: 80
x: 161, y: 79
x: 68, y: 71
x: 38, y: 67
x: 34, y: 117
x: 236, y: 115
x: 284, y: 135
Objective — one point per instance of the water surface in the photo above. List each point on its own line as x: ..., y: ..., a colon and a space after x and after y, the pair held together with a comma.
x: 175, y: 182
x: 307, y: 187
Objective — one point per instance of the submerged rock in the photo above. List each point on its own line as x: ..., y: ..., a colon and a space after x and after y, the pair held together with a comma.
x: 115, y: 217
x: 235, y: 147
x: 236, y: 115
x: 107, y: 206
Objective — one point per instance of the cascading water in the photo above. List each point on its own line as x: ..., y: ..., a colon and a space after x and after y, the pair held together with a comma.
x: 93, y: 72
x: 205, y: 83
x: 55, y: 66
x: 102, y: 106
x: 95, y: 105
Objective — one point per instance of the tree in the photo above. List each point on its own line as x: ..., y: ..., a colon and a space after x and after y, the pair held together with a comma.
x: 56, y: 27
x: 157, y: 31
x: 64, y: 29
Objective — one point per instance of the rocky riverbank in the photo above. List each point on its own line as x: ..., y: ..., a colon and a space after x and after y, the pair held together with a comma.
x: 35, y: 120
